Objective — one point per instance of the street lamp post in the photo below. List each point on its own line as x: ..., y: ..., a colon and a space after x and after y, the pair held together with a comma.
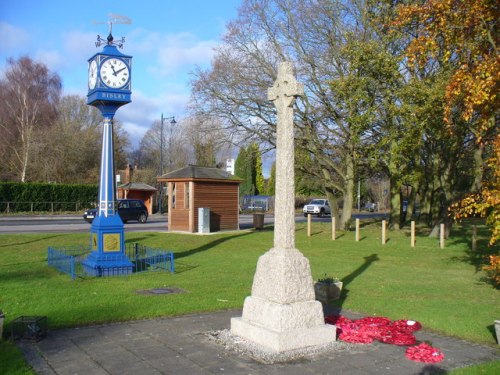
x: 172, y: 123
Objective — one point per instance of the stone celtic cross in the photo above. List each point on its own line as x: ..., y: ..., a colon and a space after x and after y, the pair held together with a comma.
x: 283, y: 93
x: 282, y: 313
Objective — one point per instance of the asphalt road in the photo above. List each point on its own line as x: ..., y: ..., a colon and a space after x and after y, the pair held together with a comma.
x: 70, y: 224
x: 155, y: 223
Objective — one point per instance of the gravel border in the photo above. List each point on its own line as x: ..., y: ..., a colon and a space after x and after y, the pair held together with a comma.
x: 266, y: 356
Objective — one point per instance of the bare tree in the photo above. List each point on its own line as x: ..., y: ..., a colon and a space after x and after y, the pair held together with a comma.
x: 210, y: 142
x: 331, y: 125
x: 172, y: 149
x: 29, y: 94
x: 70, y: 150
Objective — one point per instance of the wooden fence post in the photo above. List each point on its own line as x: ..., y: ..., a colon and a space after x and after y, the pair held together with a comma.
x: 384, y: 223
x: 334, y: 235
x: 357, y: 230
x: 412, y: 235
x: 441, y: 236
x: 308, y: 225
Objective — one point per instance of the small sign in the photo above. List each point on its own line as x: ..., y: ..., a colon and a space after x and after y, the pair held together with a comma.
x: 111, y: 242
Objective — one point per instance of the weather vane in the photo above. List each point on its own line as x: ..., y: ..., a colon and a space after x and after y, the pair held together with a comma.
x: 113, y: 19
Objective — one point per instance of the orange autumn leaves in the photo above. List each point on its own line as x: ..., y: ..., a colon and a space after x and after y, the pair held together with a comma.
x: 463, y: 32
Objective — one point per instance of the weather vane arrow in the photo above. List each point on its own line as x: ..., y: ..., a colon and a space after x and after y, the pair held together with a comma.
x: 113, y: 19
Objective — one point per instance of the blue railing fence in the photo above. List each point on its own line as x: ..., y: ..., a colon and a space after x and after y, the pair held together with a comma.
x: 68, y: 259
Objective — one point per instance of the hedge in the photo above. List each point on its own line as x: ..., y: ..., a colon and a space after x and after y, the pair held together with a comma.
x: 19, y: 197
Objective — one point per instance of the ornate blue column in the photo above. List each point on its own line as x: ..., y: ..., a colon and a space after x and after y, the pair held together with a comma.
x: 109, y: 89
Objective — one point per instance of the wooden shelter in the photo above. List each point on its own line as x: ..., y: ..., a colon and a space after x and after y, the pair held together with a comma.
x: 193, y: 187
x: 138, y: 190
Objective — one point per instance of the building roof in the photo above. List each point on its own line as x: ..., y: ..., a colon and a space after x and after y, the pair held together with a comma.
x: 137, y: 186
x: 196, y: 172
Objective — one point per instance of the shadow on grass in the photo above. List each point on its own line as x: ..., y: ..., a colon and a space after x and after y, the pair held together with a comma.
x: 181, y: 266
x: 266, y: 228
x: 31, y: 241
x: 491, y: 329
x: 353, y: 275
x: 462, y: 236
x: 145, y: 236
x: 432, y: 370
x: 36, y: 271
x: 207, y: 246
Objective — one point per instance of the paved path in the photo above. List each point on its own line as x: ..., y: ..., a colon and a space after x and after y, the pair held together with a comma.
x: 180, y: 345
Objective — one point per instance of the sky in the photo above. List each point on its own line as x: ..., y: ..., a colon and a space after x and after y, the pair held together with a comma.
x: 167, y: 39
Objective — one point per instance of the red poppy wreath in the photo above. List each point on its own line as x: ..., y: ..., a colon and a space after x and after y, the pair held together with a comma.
x: 398, y: 332
x: 424, y: 353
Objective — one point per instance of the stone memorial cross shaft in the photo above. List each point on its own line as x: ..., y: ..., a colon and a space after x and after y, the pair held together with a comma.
x: 282, y: 313
x: 283, y: 94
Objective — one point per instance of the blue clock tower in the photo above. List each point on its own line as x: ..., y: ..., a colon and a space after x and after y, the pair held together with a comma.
x: 109, y: 83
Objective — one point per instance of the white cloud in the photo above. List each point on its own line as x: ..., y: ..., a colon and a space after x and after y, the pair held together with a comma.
x: 139, y: 115
x: 183, y: 50
x: 11, y: 37
x: 170, y: 54
x: 142, y: 41
x: 52, y: 59
x: 135, y: 132
x: 79, y: 46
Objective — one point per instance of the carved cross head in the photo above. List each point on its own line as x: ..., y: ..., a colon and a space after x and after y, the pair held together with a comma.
x: 285, y: 88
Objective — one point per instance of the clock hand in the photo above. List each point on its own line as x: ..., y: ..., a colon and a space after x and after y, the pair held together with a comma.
x: 113, y: 69
x: 115, y: 73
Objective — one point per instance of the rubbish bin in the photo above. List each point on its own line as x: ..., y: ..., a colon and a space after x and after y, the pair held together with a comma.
x: 258, y: 220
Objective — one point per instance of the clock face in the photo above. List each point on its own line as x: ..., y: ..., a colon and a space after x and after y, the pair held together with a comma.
x: 114, y: 73
x: 92, y: 74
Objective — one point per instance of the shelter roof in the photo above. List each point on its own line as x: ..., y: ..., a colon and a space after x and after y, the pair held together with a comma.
x: 197, y: 172
x: 137, y: 186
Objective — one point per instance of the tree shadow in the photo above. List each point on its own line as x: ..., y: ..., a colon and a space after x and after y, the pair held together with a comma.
x: 480, y: 256
x: 32, y: 241
x: 144, y: 236
x: 207, y: 246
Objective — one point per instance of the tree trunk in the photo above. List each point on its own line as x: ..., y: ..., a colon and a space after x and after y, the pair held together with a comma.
x: 334, y: 206
x: 410, y: 210
x: 395, y: 209
x: 478, y: 168
x: 441, y: 200
x: 25, y: 163
x: 348, y: 194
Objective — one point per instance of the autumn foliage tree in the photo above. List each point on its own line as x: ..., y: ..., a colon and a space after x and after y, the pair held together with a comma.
x: 465, y: 33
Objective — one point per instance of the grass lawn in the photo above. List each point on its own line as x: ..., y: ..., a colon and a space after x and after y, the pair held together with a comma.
x: 442, y: 288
